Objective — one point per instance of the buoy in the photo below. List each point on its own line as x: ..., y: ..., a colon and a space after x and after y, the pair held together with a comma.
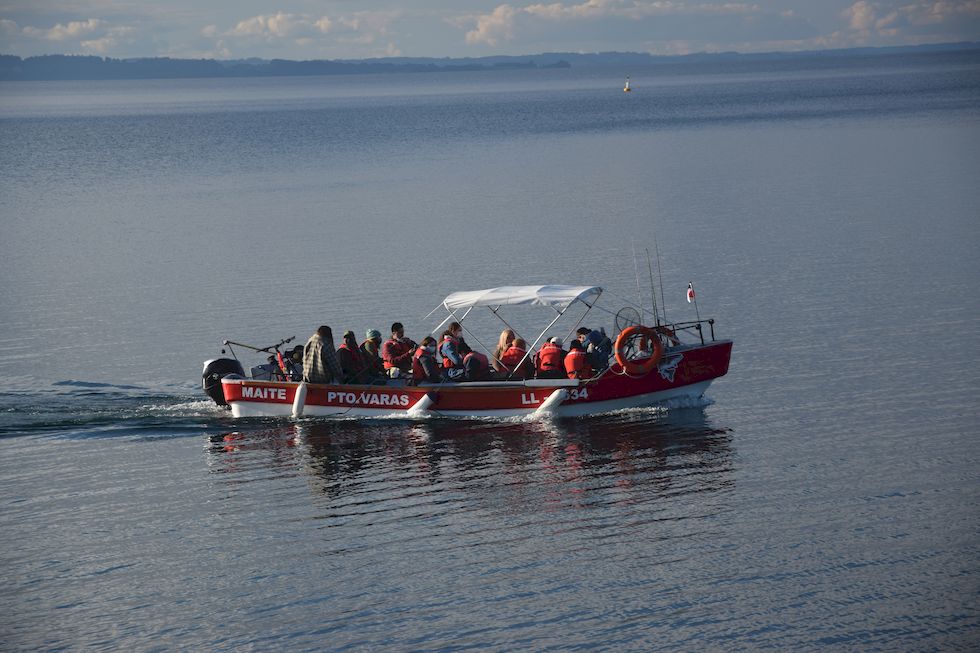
x: 649, y: 335
x: 421, y: 407
x: 549, y: 405
x: 299, y: 401
x: 627, y: 89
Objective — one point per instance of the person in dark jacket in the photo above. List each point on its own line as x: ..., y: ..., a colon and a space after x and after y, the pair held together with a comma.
x: 597, y: 345
x: 425, y: 368
x: 371, y: 353
x: 351, y: 361
x: 452, y: 356
x: 320, y: 364
x: 476, y: 366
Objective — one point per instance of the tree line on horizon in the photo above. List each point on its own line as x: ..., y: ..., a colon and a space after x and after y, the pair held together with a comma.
x: 90, y: 67
x: 81, y: 67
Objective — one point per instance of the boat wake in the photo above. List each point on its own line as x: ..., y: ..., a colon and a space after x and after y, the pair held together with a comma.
x: 82, y: 409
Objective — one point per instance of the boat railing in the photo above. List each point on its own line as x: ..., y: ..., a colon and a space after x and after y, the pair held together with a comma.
x: 692, y: 327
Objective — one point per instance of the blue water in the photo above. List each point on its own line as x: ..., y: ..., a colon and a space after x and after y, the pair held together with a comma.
x: 822, y: 497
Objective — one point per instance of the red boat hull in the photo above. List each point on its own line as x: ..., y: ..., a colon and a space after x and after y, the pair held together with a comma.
x: 683, y: 372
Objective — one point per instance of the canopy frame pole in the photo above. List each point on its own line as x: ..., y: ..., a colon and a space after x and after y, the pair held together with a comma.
x: 540, y: 335
x: 589, y: 306
x: 497, y: 315
x: 467, y: 331
x: 452, y: 315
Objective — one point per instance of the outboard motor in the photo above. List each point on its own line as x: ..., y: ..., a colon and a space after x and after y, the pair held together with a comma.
x: 215, y: 370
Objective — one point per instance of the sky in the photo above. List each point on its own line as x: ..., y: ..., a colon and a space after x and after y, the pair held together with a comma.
x: 356, y: 29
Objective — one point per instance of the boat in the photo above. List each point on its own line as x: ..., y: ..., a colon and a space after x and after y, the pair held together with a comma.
x: 648, y: 366
x: 627, y: 89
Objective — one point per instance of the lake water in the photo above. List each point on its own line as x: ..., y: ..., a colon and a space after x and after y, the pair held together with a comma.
x: 824, y: 495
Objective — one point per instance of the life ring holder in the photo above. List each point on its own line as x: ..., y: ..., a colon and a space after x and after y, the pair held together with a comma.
x: 630, y: 367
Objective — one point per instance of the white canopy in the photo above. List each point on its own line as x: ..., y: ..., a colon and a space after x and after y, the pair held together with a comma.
x: 556, y: 296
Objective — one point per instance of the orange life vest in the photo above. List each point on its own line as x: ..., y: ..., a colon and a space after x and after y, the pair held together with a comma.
x: 418, y: 371
x: 447, y: 363
x: 511, y: 358
x: 577, y: 365
x: 549, y: 359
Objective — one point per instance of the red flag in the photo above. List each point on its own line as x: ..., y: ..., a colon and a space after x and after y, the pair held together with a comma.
x: 690, y: 293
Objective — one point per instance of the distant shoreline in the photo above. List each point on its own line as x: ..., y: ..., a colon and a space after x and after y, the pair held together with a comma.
x: 59, y: 67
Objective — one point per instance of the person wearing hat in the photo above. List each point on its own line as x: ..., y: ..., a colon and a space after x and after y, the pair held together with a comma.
x: 549, y: 362
x: 371, y: 353
x: 351, y: 361
x: 597, y: 345
x: 294, y: 363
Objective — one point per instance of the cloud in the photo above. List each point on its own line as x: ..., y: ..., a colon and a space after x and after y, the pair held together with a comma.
x: 635, y: 9
x: 8, y: 27
x: 661, y: 25
x: 71, y: 31
x: 313, y: 34
x: 869, y: 18
x: 860, y: 16
x: 280, y: 25
x: 493, y: 27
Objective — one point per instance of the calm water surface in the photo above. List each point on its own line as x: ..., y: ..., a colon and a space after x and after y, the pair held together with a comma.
x: 822, y: 497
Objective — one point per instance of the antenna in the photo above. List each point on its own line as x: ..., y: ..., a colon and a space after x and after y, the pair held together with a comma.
x: 660, y: 273
x: 653, y: 290
x: 636, y: 270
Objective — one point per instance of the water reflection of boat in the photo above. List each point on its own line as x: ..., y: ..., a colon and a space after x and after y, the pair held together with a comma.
x: 652, y: 365
x: 492, y: 462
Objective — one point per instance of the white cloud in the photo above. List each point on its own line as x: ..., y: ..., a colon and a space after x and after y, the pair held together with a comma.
x: 278, y: 25
x: 860, y: 16
x: 505, y: 21
x: 370, y: 32
x: 8, y: 27
x: 71, y: 31
x: 904, y: 21
x: 101, y: 45
x: 493, y: 27
x: 635, y: 9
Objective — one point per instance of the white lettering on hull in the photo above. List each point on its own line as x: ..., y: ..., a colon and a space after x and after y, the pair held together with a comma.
x: 249, y: 392
x: 367, y: 399
x: 528, y: 399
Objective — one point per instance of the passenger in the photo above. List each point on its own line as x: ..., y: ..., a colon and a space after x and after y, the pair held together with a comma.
x: 294, y: 361
x: 452, y: 359
x: 516, y: 360
x: 396, y: 352
x: 320, y: 363
x: 476, y: 367
x: 503, y: 344
x: 577, y: 365
x: 351, y: 361
x: 549, y: 362
x: 371, y: 353
x: 597, y: 345
x: 424, y: 365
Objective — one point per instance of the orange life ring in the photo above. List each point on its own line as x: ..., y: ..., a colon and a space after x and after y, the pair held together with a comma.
x: 630, y: 367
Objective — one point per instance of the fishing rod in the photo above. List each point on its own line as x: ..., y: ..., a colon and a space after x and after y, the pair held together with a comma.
x: 653, y: 289
x: 271, y: 349
x: 267, y: 350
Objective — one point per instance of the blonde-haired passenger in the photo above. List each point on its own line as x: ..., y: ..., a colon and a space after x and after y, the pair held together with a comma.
x: 503, y: 344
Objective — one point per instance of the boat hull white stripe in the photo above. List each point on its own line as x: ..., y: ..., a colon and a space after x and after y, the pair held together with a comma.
x: 256, y: 409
